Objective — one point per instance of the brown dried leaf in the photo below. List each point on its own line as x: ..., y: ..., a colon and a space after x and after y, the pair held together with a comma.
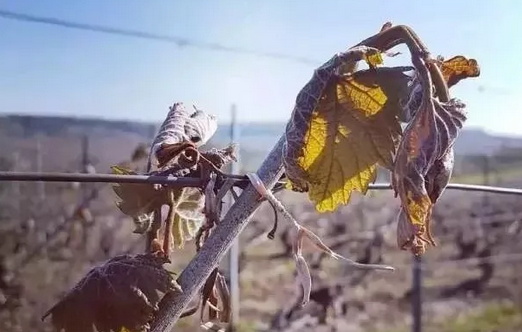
x: 216, y: 296
x: 458, y: 68
x: 180, y: 129
x: 177, y: 155
x: 212, y: 303
x: 304, y: 278
x: 200, y: 127
x: 171, y: 132
x: 423, y: 167
x: 439, y: 175
x: 223, y: 156
x: 224, y: 297
x: 436, y: 182
x: 123, y: 293
x: 207, y: 294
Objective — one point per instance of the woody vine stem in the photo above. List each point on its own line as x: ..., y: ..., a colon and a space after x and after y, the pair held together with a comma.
x: 213, y: 250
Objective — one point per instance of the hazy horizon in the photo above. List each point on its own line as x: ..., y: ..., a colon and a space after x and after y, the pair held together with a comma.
x: 51, y: 70
x: 227, y: 123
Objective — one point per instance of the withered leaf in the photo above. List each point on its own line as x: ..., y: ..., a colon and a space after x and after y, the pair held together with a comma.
x: 224, y: 297
x: 353, y: 128
x: 216, y: 296
x: 177, y: 156
x: 412, y: 104
x: 179, y: 128
x: 453, y: 71
x: 423, y: 167
x: 439, y: 175
x: 121, y: 295
x: 200, y: 127
x: 171, y: 132
x: 138, y: 200
x: 223, y: 156
x: 437, y: 179
x: 458, y: 68
x: 296, y: 132
x: 207, y: 294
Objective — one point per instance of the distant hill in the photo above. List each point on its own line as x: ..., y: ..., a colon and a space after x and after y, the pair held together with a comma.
x: 256, y: 139
x: 27, y: 126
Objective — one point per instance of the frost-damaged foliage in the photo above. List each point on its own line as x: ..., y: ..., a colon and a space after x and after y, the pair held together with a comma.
x: 121, y: 295
x: 347, y: 122
x: 192, y: 213
x: 353, y: 128
x: 139, y: 201
x: 425, y: 158
x: 180, y: 129
x: 174, y: 152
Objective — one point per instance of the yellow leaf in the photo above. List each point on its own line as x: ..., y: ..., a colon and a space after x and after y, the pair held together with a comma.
x: 190, y: 228
x: 119, y: 170
x: 189, y: 215
x: 458, y: 68
x: 353, y: 129
x: 374, y: 59
x: 418, y: 208
x: 177, y: 232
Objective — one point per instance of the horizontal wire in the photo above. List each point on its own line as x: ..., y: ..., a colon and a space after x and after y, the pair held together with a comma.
x: 473, y: 261
x: 512, y: 257
x: 482, y: 188
x: 179, y: 41
x: 196, y: 182
x: 104, y: 178
x: 462, y: 187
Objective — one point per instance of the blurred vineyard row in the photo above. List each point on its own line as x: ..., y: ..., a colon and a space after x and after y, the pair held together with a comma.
x: 53, y: 233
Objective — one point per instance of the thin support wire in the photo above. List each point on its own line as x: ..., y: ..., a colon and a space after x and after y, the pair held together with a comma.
x: 179, y: 41
x: 473, y: 261
x: 196, y: 182
x: 463, y: 187
x: 103, y: 178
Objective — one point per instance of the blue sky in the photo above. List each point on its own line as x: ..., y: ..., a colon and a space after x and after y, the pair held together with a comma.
x: 47, y: 69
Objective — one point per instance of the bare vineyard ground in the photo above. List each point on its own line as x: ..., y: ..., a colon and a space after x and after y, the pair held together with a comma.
x: 378, y: 301
x: 467, y: 225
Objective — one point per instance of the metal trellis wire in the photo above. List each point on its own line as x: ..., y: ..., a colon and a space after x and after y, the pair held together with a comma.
x: 103, y: 178
x: 195, y: 182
